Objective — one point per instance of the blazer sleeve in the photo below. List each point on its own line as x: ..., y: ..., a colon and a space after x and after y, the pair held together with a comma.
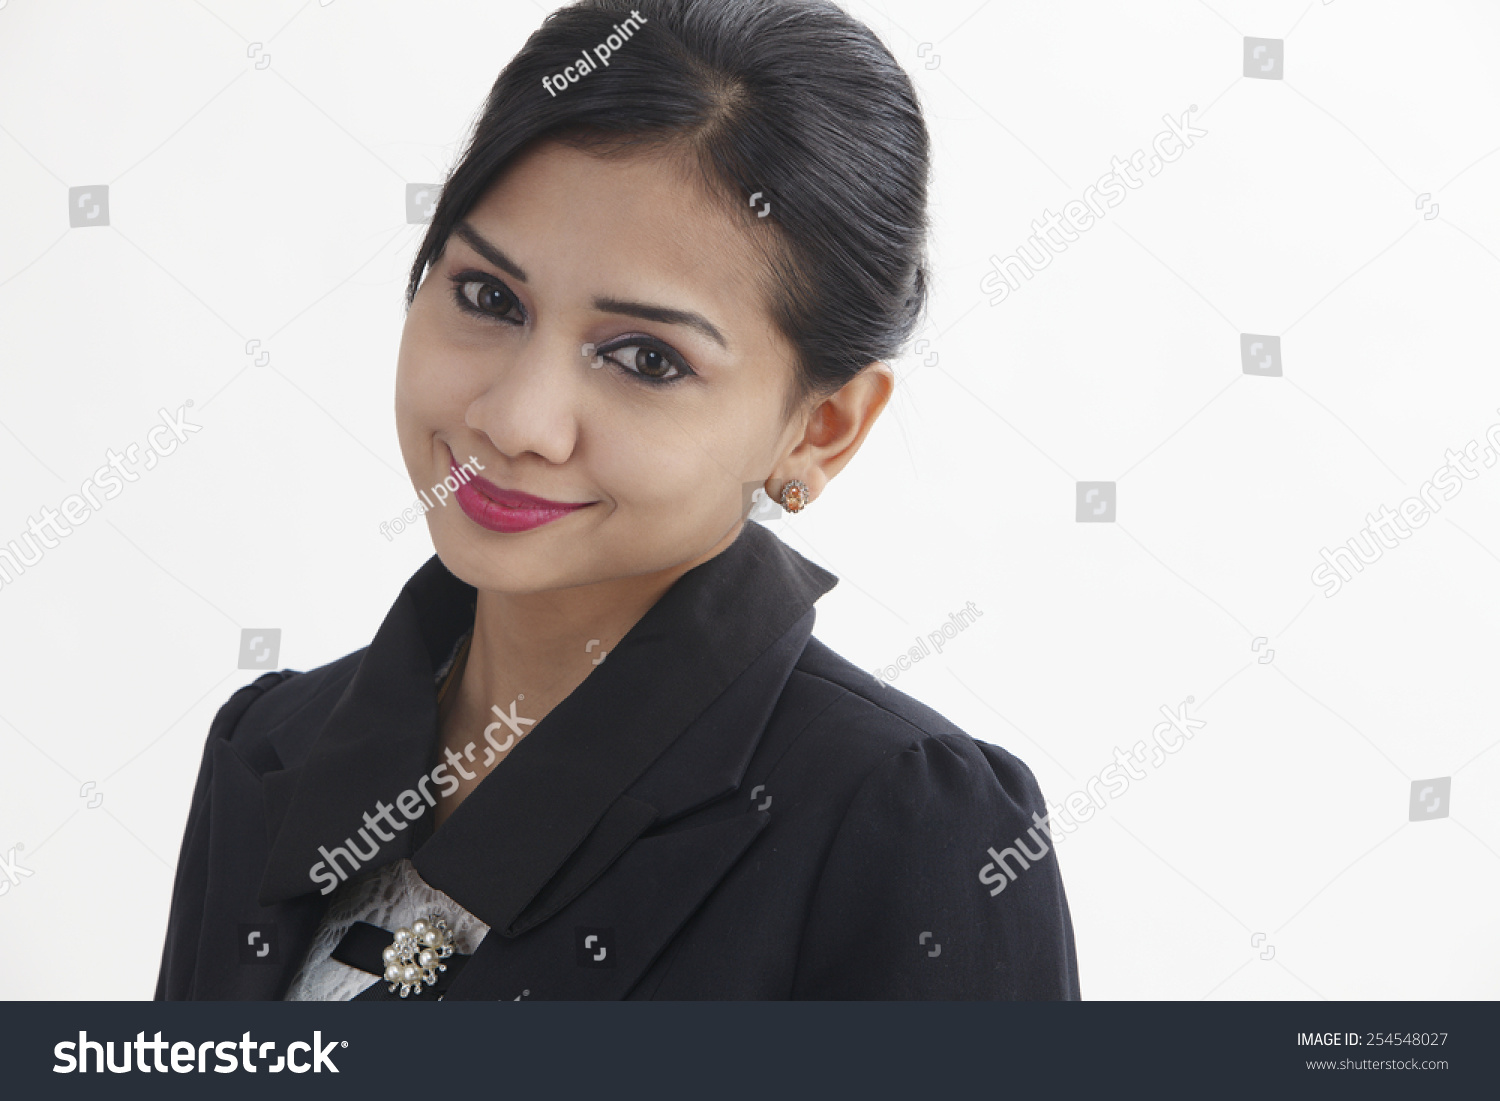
x: 179, y: 956
x: 910, y: 904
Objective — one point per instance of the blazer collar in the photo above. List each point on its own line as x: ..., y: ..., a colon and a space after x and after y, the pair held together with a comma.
x: 666, y: 724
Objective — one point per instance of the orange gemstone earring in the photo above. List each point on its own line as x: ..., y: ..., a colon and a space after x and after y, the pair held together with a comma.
x: 794, y: 496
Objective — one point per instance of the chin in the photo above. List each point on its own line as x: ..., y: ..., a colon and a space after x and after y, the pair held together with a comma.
x: 534, y: 568
x: 540, y: 561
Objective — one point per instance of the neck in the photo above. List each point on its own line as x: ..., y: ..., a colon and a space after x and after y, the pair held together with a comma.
x: 543, y: 645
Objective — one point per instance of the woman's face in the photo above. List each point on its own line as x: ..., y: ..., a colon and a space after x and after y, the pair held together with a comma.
x: 654, y: 437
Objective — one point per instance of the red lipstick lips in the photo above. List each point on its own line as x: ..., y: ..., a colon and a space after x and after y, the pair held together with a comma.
x: 506, y: 510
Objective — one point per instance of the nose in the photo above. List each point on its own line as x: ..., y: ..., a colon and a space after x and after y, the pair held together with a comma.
x: 532, y: 402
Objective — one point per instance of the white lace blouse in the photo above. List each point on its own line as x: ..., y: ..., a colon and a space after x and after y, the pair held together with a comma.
x: 393, y: 896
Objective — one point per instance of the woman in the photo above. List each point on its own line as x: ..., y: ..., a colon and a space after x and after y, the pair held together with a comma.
x: 593, y: 751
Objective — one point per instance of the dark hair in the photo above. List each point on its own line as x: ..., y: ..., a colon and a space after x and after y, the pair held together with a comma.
x: 794, y: 99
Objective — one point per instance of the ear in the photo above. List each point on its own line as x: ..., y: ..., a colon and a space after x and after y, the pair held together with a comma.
x: 834, y: 429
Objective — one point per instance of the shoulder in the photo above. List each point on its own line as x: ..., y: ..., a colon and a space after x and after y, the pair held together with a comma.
x: 272, y: 721
x: 890, y: 738
x: 906, y: 903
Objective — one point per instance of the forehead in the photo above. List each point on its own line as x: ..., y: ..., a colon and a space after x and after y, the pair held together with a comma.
x: 638, y: 226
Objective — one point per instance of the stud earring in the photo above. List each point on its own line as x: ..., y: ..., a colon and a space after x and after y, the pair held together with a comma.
x: 794, y: 496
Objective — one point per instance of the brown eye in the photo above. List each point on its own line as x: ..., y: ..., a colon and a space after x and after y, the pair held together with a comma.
x: 648, y: 362
x: 651, y: 363
x: 487, y: 298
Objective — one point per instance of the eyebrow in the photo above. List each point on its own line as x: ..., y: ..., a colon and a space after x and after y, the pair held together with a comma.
x: 661, y: 314
x: 489, y: 251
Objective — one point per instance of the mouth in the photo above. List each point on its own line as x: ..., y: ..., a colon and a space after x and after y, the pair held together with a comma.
x: 507, y: 510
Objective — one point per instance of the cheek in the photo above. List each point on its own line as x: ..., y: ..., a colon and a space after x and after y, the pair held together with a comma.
x: 431, y: 383
x: 412, y: 363
x: 639, y: 469
x: 686, y: 464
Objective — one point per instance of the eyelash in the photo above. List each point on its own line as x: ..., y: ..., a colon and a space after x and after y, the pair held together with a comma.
x: 464, y: 279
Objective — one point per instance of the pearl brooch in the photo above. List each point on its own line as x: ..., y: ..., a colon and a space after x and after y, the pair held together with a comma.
x: 415, y: 955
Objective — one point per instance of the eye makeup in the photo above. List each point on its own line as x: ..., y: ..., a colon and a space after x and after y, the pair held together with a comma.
x: 484, y: 295
x: 641, y: 364
x: 484, y: 283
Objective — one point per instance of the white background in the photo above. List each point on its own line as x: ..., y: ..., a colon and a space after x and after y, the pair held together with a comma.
x: 1271, y: 857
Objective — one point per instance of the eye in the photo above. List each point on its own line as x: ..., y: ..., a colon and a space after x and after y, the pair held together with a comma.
x: 653, y: 363
x: 482, y: 295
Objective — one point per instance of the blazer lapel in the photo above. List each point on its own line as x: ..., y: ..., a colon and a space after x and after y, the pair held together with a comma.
x: 704, y: 764
x: 377, y: 741
x: 666, y: 725
x: 497, y: 852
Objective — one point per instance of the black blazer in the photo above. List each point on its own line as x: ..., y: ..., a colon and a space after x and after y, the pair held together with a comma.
x: 736, y: 810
